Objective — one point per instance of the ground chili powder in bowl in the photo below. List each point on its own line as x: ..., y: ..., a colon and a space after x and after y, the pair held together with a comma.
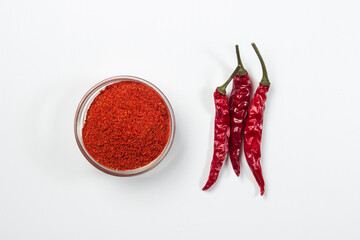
x: 124, y: 126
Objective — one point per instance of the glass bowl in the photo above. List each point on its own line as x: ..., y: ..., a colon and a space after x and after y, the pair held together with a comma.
x: 80, y: 117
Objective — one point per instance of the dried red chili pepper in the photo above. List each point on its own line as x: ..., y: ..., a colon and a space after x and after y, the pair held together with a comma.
x: 222, y: 131
x: 239, y: 103
x: 254, y: 125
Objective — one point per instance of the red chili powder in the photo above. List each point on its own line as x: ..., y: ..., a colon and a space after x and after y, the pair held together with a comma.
x: 127, y: 126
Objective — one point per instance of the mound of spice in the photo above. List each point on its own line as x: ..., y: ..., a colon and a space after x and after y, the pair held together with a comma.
x: 127, y: 126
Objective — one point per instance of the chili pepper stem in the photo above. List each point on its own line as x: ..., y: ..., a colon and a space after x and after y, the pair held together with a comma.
x: 242, y: 70
x: 265, y: 79
x: 222, y: 88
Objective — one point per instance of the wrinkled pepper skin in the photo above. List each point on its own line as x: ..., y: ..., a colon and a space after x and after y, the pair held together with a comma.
x: 221, y: 137
x: 253, y: 133
x: 239, y: 103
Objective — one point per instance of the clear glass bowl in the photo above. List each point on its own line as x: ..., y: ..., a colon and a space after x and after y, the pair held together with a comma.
x: 80, y: 117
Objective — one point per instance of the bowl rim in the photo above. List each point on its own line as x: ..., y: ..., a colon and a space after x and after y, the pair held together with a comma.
x: 87, y: 100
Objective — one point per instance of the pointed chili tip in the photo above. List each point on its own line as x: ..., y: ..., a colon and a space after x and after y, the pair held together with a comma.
x: 208, y: 185
x: 205, y: 188
x: 237, y: 172
x: 262, y: 191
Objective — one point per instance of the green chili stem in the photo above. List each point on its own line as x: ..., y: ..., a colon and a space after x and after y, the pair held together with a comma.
x: 238, y: 55
x: 222, y: 88
x: 242, y: 70
x: 265, y: 79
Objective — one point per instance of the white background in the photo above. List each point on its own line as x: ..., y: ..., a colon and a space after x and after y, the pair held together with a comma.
x: 52, y: 52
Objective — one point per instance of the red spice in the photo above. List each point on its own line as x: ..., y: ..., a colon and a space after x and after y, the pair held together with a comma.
x: 127, y: 126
